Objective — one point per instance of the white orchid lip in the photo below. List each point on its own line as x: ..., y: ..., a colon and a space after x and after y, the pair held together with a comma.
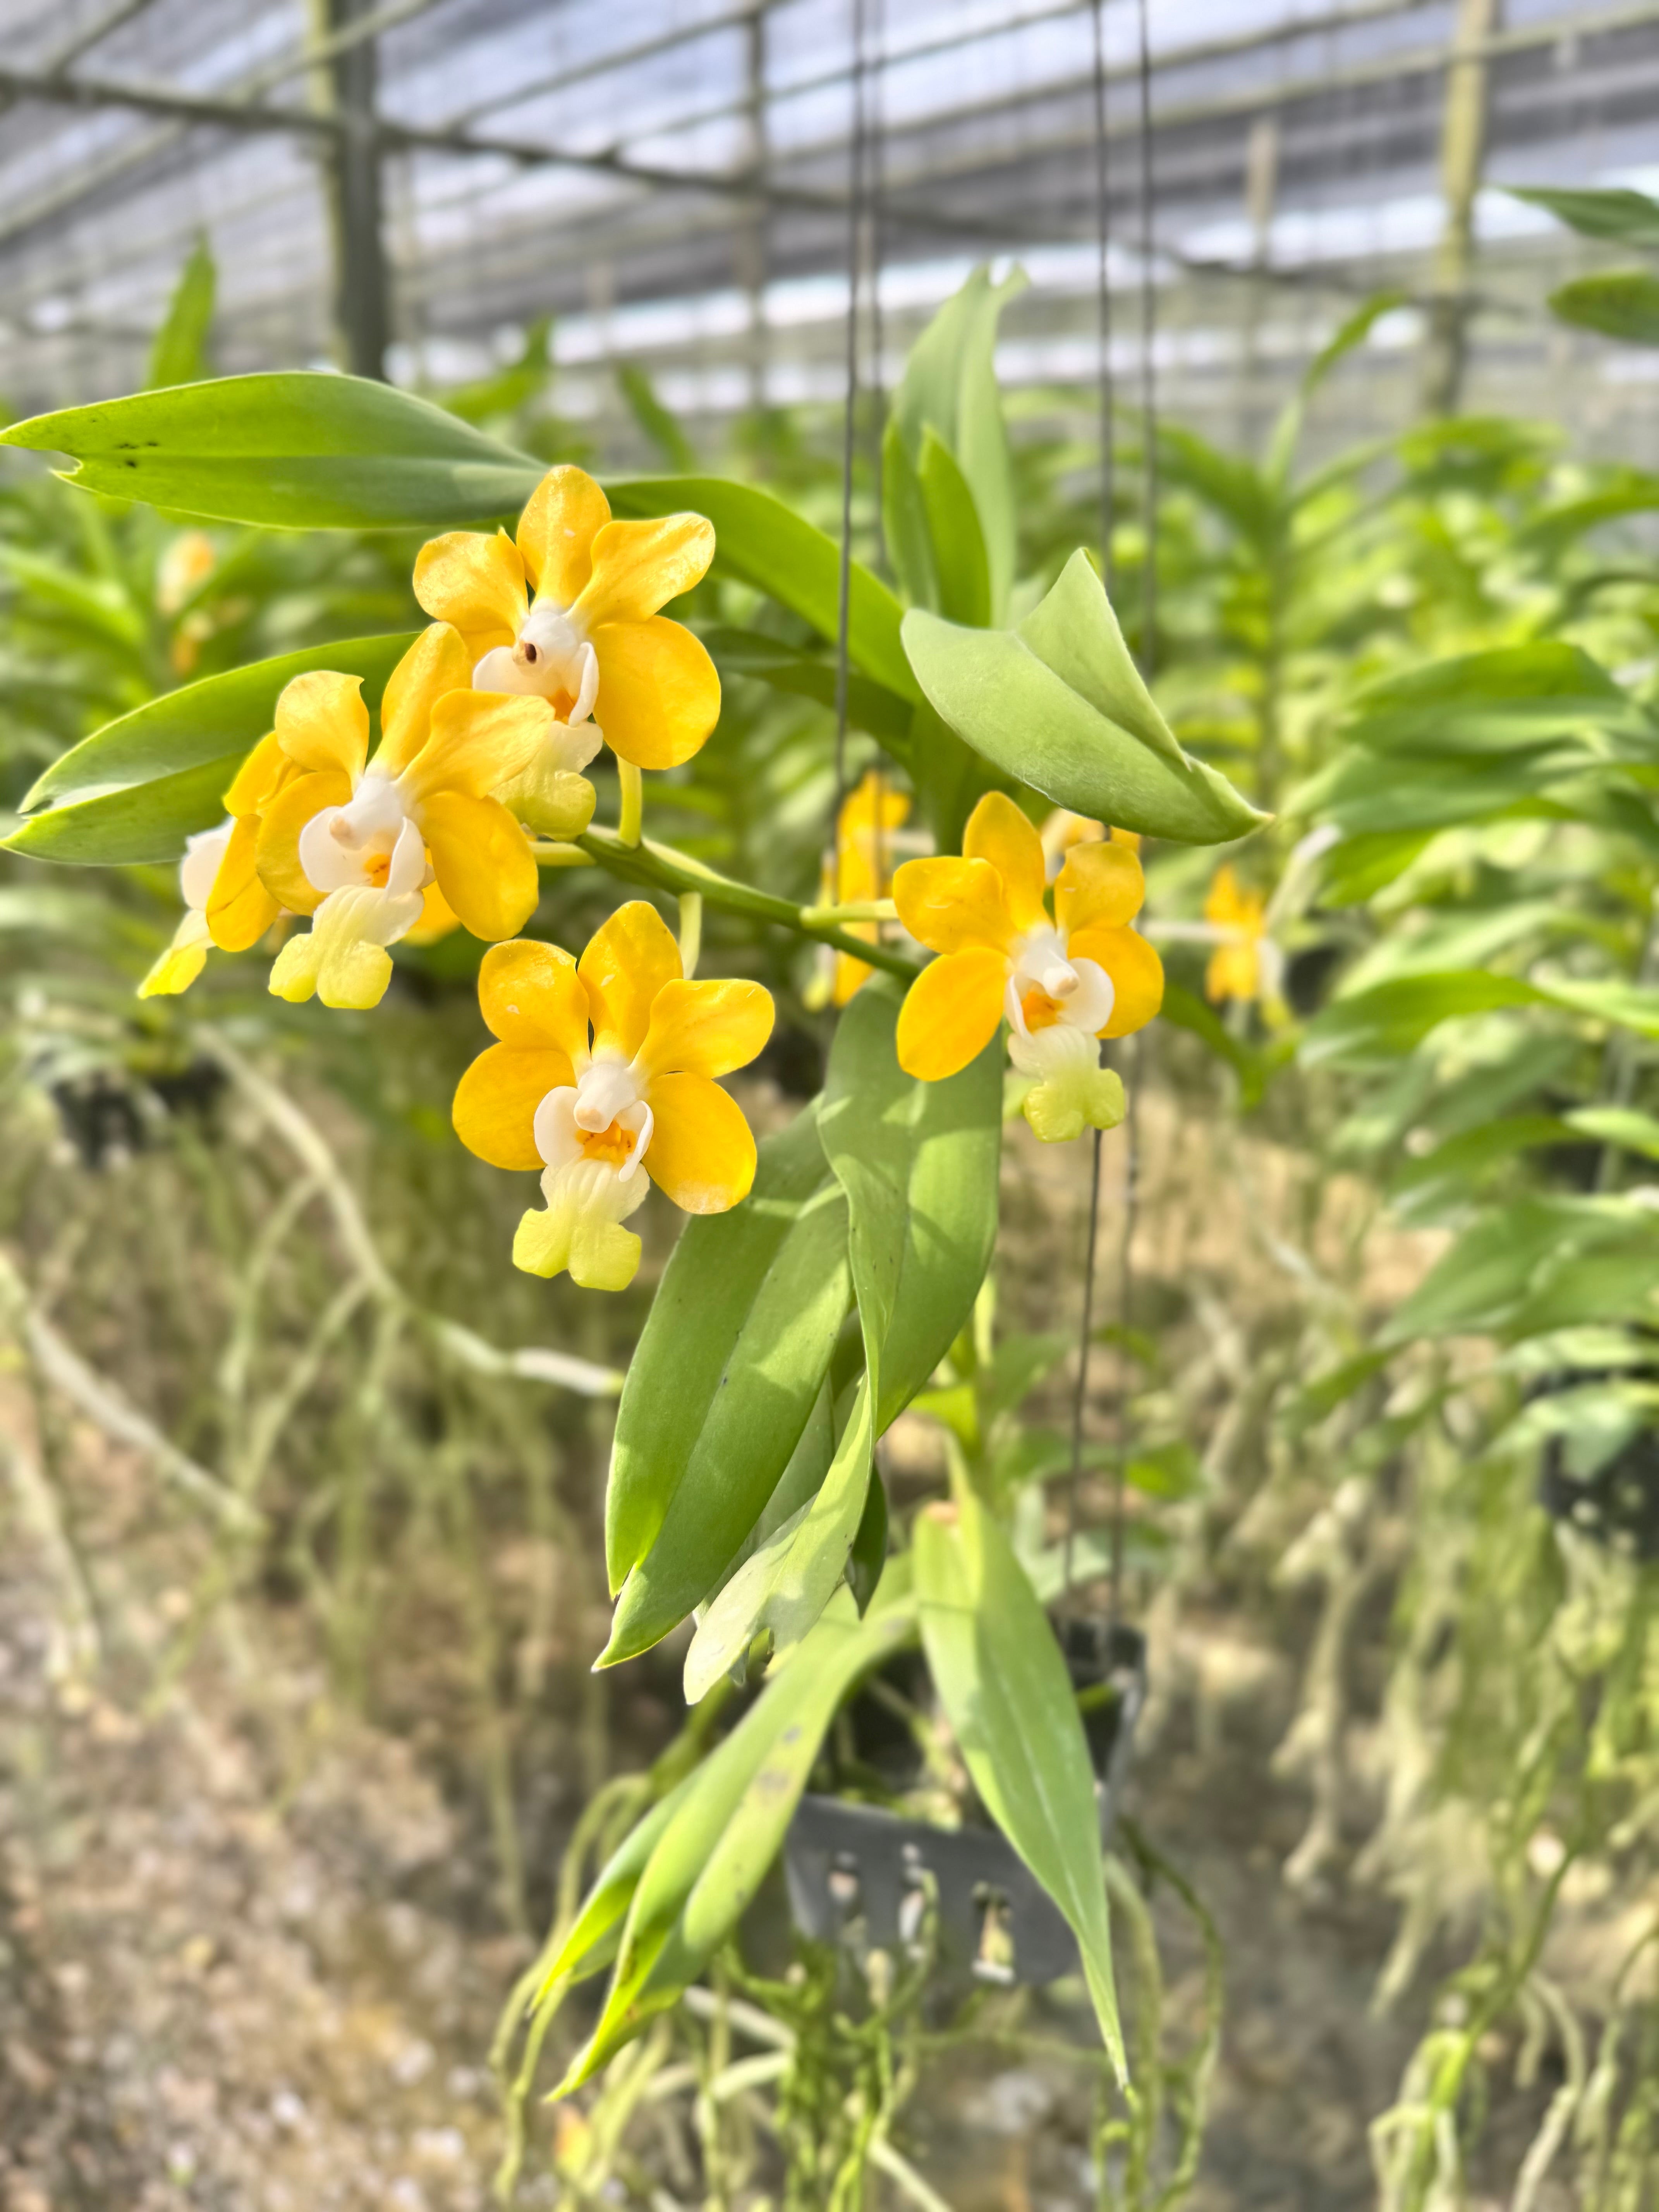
x: 372, y: 842
x: 551, y: 658
x: 200, y: 869
x: 604, y: 1103
x: 1081, y: 991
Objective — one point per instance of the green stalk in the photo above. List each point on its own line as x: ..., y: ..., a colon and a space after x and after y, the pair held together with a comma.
x: 660, y: 867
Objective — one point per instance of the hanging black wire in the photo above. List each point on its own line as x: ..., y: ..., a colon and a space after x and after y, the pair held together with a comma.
x: 1108, y: 521
x: 1103, y: 221
x: 877, y: 166
x: 855, y: 199
x: 1148, y: 344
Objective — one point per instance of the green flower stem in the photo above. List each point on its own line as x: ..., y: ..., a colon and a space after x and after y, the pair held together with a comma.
x: 631, y: 813
x: 660, y: 867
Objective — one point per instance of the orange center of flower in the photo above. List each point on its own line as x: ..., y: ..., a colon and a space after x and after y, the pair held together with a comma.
x: 612, y: 1145
x: 377, y: 867
x: 1041, y: 1012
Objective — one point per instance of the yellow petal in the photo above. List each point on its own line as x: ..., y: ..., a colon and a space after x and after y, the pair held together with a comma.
x: 322, y: 722
x: 532, y: 997
x: 702, y: 1152
x: 334, y: 959
x: 629, y: 960
x: 706, y: 1028
x: 277, y: 854
x: 564, y: 515
x: 259, y: 778
x: 437, y: 662
x: 851, y: 976
x: 1136, y: 971
x: 484, y: 865
x: 659, y: 693
x: 1234, y: 972
x: 600, y: 1253
x: 495, y: 1102
x: 864, y: 857
x: 999, y: 832
x: 1100, y: 887
x: 479, y: 740
x: 950, y: 1014
x: 240, y: 909
x: 438, y: 918
x: 639, y: 567
x: 950, y: 904
x: 475, y: 583
x: 177, y: 968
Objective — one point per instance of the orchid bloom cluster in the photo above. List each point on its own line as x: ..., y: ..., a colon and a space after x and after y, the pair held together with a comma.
x: 1062, y: 981
x: 484, y: 723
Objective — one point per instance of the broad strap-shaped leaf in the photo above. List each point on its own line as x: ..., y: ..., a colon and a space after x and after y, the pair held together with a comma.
x: 1498, y: 703
x: 203, y: 721
x: 1394, y: 1017
x: 950, y: 386
x: 1481, y: 1284
x: 295, y: 451
x: 869, y: 706
x: 1625, y: 217
x: 1058, y: 704
x: 918, y: 1164
x: 708, y: 1860
x: 596, y: 1933
x: 733, y: 1357
x: 959, y: 555
x: 1621, y: 303
x: 762, y: 541
x: 1009, y: 1700
x: 178, y: 354
x: 147, y: 822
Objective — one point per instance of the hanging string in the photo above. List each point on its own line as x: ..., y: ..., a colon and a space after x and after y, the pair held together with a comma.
x: 878, y: 164
x: 1136, y: 1071
x: 1148, y: 369
x: 849, y: 421
x: 1108, y: 519
x: 1104, y: 216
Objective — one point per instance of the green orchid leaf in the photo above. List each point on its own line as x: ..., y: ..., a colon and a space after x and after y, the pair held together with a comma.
x: 180, y: 353
x: 959, y: 543
x: 1394, y: 1017
x: 781, y: 1589
x: 1627, y: 218
x: 1058, y: 704
x: 1621, y: 304
x: 596, y: 1933
x: 729, y: 1367
x: 904, y: 523
x: 919, y: 1164
x: 1005, y: 1690
x: 147, y: 822
x: 297, y: 451
x: 1618, y: 1125
x: 1479, y: 704
x: 950, y: 386
x: 1479, y: 1285
x: 709, y: 1859
x: 869, y: 706
x: 95, y: 603
x: 206, y: 721
x: 762, y: 541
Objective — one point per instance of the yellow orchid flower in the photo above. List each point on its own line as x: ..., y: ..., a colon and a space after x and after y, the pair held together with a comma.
x: 1240, y: 919
x: 602, y: 1067
x: 1062, y: 982
x: 411, y: 840
x: 177, y: 968
x: 226, y: 904
x: 861, y: 869
x: 567, y: 610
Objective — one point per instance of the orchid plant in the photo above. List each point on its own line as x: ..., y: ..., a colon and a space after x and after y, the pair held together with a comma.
x: 340, y: 804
